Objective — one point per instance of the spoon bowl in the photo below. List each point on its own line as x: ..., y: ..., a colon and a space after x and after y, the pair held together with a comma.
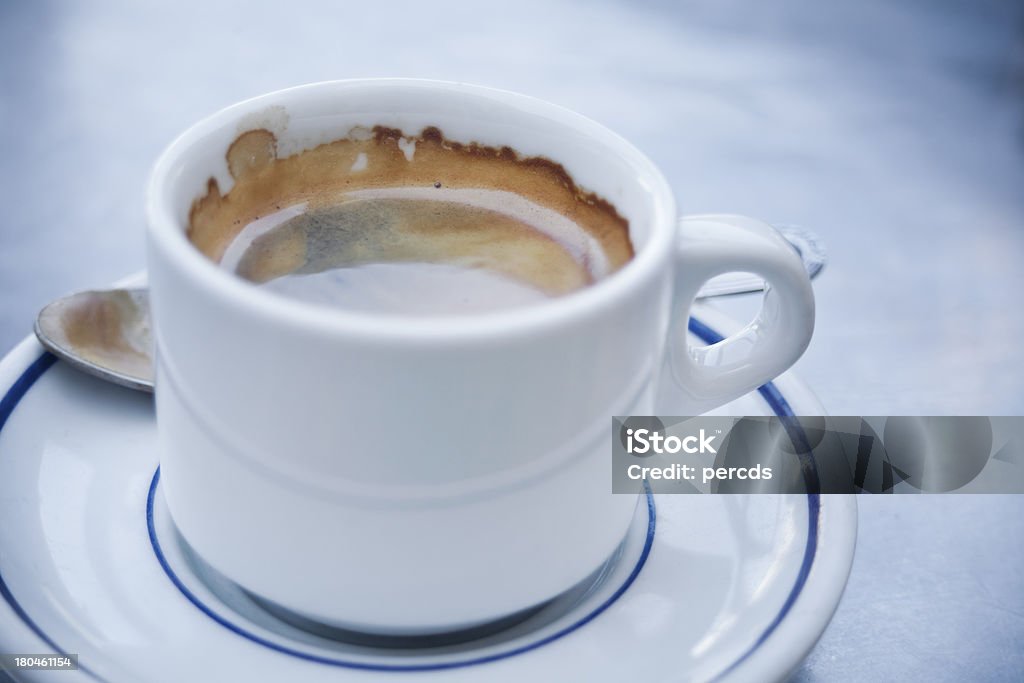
x: 104, y: 333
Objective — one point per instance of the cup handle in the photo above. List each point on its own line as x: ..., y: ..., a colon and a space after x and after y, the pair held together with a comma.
x: 710, y: 245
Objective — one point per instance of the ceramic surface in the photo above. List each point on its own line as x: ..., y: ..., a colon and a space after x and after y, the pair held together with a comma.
x: 734, y: 587
x: 276, y: 418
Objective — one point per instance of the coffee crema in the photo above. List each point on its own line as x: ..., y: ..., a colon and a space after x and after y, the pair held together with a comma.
x: 383, y: 221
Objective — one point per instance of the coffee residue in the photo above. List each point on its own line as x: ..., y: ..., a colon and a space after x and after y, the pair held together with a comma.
x: 387, y: 158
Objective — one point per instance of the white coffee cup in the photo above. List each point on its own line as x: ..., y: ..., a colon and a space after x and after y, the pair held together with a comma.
x: 403, y: 475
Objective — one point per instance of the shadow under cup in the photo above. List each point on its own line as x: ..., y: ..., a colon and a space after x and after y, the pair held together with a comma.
x: 387, y: 473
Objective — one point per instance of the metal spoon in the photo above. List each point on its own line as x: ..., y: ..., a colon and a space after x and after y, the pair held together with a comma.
x: 106, y: 333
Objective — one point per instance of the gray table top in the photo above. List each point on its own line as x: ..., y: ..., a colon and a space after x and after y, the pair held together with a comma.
x: 893, y: 129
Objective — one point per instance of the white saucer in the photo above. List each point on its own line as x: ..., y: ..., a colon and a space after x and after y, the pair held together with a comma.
x: 705, y: 587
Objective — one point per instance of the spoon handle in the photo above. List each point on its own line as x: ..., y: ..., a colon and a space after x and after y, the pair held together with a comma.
x: 807, y: 245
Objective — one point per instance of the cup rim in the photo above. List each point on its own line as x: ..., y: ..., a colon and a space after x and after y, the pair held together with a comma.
x: 164, y: 233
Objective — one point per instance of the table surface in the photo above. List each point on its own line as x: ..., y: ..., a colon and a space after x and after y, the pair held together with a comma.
x: 892, y: 129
